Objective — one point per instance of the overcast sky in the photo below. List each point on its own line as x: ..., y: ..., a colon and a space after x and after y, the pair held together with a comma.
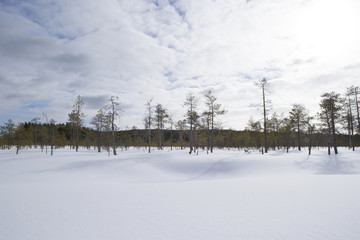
x: 52, y: 51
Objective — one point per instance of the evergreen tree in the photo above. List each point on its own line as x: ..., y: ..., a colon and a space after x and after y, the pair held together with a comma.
x: 213, y: 110
x: 181, y: 127
x: 99, y: 122
x: 331, y: 105
x: 76, y: 119
x: 7, y: 131
x: 191, y: 115
x: 298, y: 119
x: 161, y: 117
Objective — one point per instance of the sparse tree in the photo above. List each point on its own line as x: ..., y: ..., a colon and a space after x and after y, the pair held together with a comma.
x: 76, y: 119
x: 171, y: 121
x: 99, y: 121
x: 19, y: 136
x: 311, y: 128
x: 52, y: 135
x: 8, y: 131
x: 298, y: 118
x: 161, y: 117
x: 349, y: 115
x: 254, y: 127
x: 191, y: 103
x: 181, y: 127
x: 354, y: 91
x: 114, y: 112
x: 262, y: 84
x: 148, y: 121
x: 35, y: 130
x: 213, y: 110
x: 331, y: 105
x: 285, y: 130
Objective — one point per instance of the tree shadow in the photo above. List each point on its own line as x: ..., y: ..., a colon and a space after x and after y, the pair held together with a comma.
x: 330, y: 165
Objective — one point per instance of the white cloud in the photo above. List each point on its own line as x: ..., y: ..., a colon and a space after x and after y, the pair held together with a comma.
x: 51, y: 51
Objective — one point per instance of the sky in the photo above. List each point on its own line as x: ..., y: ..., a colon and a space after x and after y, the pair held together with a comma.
x: 53, y: 51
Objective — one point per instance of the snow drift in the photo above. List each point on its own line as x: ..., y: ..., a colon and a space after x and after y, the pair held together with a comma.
x: 173, y: 195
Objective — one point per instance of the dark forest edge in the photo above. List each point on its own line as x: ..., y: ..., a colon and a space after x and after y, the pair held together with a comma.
x: 336, y: 124
x: 48, y: 137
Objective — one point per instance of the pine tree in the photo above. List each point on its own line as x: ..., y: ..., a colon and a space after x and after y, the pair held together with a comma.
x: 8, y: 131
x: 331, y: 105
x: 191, y: 116
x: 76, y: 119
x: 161, y: 117
x: 213, y: 110
x: 298, y: 119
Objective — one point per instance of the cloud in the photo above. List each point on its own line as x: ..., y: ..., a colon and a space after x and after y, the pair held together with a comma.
x: 52, y: 51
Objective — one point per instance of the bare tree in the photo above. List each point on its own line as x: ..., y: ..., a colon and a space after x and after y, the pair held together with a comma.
x: 114, y: 112
x: 262, y: 84
x: 191, y: 115
x: 148, y: 121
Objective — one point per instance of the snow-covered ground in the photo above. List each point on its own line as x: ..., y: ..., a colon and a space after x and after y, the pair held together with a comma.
x: 173, y: 195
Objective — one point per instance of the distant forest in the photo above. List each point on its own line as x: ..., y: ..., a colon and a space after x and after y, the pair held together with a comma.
x: 336, y: 124
x: 37, y: 135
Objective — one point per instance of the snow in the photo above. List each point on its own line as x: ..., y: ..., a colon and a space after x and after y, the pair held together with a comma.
x: 173, y: 195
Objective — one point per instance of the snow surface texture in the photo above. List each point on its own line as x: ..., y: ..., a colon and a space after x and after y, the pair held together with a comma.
x: 173, y: 195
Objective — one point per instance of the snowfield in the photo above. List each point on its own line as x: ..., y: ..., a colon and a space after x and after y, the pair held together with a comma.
x: 173, y: 195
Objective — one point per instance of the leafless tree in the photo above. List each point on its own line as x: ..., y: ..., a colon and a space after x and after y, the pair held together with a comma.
x: 191, y: 103
x: 148, y: 121
x: 262, y: 84
x: 114, y: 110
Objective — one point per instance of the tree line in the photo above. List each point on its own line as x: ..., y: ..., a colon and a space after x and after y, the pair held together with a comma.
x: 336, y: 124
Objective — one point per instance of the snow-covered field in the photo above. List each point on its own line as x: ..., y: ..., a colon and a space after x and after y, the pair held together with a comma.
x: 173, y: 195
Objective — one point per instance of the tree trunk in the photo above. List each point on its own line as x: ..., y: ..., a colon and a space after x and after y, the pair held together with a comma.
x: 357, y: 109
x: 191, y: 138
x: 333, y: 133
x: 212, y: 132
x: 265, y: 131
x: 149, y: 138
x: 171, y: 136
x: 298, y: 136
x: 113, y: 139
